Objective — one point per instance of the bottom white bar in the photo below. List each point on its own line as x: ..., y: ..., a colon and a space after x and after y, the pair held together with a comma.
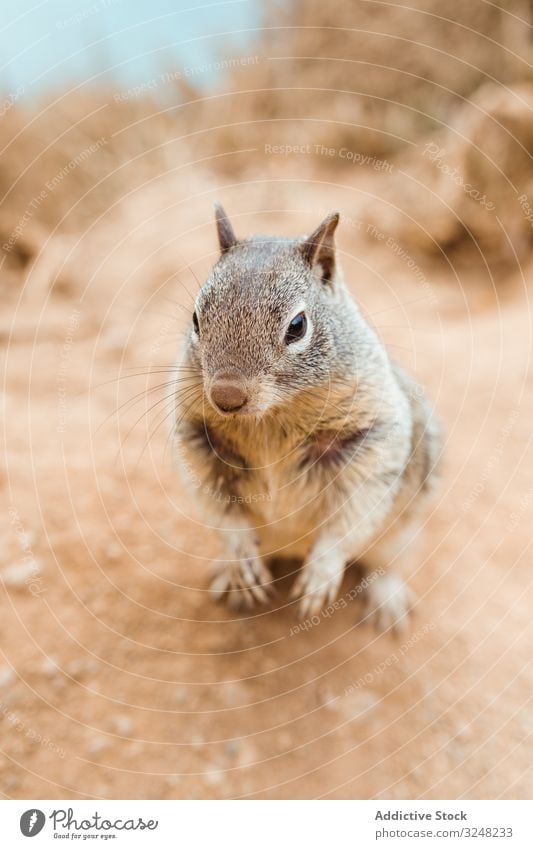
x: 264, y: 824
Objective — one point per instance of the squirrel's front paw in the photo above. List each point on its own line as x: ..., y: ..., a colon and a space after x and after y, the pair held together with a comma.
x: 388, y: 602
x: 318, y: 584
x: 245, y: 582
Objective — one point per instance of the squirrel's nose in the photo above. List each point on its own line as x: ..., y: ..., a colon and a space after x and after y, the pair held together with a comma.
x: 228, y: 395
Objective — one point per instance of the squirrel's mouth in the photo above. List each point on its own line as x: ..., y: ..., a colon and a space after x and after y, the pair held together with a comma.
x: 249, y: 408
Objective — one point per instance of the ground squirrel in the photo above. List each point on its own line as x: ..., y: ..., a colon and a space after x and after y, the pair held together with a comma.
x: 301, y: 437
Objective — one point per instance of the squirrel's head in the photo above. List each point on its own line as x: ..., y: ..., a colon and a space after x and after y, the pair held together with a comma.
x: 262, y: 328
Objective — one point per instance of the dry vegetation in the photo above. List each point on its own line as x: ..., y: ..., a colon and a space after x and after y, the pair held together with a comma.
x: 119, y: 677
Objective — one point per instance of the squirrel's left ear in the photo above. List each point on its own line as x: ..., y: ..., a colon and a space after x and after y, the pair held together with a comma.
x: 226, y: 237
x: 319, y: 247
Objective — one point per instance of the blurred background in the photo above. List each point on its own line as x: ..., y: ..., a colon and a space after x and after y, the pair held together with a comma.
x: 120, y: 125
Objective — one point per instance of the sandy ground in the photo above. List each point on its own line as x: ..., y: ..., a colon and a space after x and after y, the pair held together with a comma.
x: 119, y: 677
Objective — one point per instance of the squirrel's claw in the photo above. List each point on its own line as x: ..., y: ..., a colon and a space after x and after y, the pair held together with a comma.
x: 316, y: 588
x: 388, y: 603
x: 245, y: 583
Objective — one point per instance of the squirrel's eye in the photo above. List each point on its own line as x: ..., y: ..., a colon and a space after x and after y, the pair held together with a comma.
x: 195, y: 324
x: 296, y: 329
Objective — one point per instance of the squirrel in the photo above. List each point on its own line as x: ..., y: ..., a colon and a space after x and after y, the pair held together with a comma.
x: 300, y: 435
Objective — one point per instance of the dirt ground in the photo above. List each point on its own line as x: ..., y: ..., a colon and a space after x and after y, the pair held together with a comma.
x: 119, y: 677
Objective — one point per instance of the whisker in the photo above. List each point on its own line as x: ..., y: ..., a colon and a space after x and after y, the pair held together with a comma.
x: 172, y: 430
x: 190, y: 269
x: 175, y: 304
x: 169, y: 411
x: 180, y: 281
x: 166, y: 366
x: 179, y: 420
x: 128, y: 376
x: 131, y: 402
x: 145, y: 413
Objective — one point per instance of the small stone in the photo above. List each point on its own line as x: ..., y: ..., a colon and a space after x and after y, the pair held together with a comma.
x: 181, y: 695
x: 27, y: 539
x: 76, y: 669
x: 234, y: 693
x: 18, y: 574
x: 122, y: 725
x: 231, y: 747
x: 97, y: 745
x: 357, y: 704
x: 49, y: 667
x: 115, y: 339
x: 464, y: 733
x: 326, y: 698
x: 247, y: 755
x: 197, y: 741
x: 114, y: 551
x: 6, y: 675
x: 214, y: 777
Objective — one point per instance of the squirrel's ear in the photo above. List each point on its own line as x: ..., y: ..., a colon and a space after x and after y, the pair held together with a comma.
x: 319, y: 247
x: 226, y: 236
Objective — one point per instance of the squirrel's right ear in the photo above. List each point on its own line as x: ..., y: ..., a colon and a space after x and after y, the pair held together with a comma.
x: 319, y: 247
x: 226, y: 237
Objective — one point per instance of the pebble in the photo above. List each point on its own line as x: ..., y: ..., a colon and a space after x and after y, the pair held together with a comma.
x: 114, y: 551
x: 122, y: 725
x: 247, y: 754
x: 6, y: 675
x: 49, y: 666
x: 327, y: 698
x: 27, y: 539
x: 464, y: 733
x: 357, y: 704
x: 114, y: 339
x: 17, y: 574
x: 214, y: 777
x: 77, y: 668
x: 234, y: 693
x: 231, y: 748
x: 197, y: 740
x: 181, y: 695
x: 97, y: 745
